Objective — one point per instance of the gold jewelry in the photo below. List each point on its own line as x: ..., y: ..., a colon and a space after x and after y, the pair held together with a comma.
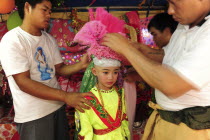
x: 102, y: 103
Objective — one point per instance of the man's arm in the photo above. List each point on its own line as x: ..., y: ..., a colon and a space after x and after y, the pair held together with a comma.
x: 42, y: 91
x: 154, y: 54
x: 67, y: 70
x: 154, y: 73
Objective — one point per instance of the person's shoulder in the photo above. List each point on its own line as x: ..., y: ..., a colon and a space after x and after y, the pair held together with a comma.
x: 11, y: 37
x: 206, y: 24
x: 49, y: 36
x: 180, y: 27
x: 90, y: 97
x: 204, y: 30
x: 94, y: 91
x: 11, y: 34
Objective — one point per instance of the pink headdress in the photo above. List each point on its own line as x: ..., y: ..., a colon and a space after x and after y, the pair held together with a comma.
x: 94, y: 30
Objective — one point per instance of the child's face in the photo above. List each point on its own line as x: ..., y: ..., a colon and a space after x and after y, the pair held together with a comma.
x: 40, y: 14
x: 107, y: 76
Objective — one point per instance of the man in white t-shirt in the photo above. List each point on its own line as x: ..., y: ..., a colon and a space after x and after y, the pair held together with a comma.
x: 182, y: 81
x: 31, y: 60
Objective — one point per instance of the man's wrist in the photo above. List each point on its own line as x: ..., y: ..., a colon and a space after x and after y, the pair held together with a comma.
x: 62, y: 95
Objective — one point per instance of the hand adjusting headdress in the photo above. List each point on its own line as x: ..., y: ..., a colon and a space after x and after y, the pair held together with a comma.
x: 90, y: 35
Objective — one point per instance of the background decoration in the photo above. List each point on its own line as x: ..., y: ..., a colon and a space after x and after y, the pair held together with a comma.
x: 14, y: 20
x: 61, y: 30
x: 6, y: 6
x: 147, y: 38
x: 80, y: 3
x: 3, y: 29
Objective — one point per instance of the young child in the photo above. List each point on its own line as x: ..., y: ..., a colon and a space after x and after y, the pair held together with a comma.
x: 107, y: 119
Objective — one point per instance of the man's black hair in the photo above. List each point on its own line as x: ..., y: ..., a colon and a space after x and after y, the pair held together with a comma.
x: 20, y: 4
x: 162, y: 21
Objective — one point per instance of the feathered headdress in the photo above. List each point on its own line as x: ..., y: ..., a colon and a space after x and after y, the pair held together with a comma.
x: 101, y: 22
x: 93, y: 31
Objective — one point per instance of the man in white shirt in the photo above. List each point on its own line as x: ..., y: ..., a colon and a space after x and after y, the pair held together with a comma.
x: 31, y: 60
x: 161, y: 26
x: 182, y: 81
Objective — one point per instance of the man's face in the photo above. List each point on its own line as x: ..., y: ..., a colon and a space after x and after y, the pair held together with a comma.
x: 161, y: 39
x: 40, y: 14
x: 186, y: 12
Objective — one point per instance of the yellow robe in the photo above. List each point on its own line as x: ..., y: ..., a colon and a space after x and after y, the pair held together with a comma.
x: 89, y: 120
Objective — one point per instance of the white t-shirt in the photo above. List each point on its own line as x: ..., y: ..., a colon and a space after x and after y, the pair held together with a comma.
x: 20, y: 52
x: 188, y: 53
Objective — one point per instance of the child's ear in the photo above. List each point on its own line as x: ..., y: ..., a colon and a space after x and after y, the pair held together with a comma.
x: 28, y: 7
x: 93, y: 71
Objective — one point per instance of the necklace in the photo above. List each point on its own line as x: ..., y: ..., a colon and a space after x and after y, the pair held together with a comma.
x: 119, y: 107
x: 100, y: 95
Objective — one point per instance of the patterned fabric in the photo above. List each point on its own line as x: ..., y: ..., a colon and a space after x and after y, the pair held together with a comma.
x: 132, y: 19
x: 61, y: 30
x: 72, y: 83
x: 89, y: 80
x: 7, y: 128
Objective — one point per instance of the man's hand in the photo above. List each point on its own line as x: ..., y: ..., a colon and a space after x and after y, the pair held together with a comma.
x: 84, y: 61
x: 117, y: 42
x: 78, y: 101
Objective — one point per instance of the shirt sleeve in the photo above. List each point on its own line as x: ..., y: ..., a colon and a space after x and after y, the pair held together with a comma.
x: 83, y: 125
x: 194, y: 65
x: 13, y: 56
x: 57, y: 59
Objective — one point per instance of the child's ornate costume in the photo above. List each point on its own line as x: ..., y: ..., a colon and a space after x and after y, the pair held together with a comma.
x: 104, y: 122
x: 107, y: 119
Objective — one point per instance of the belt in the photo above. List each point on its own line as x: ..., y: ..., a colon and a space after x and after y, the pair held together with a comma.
x: 104, y: 131
x: 195, y: 117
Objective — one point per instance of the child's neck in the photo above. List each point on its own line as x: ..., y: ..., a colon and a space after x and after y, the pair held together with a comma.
x: 103, y: 87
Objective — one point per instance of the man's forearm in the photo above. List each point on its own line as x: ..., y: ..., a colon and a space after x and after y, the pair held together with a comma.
x: 157, y: 75
x: 66, y: 70
x: 154, y: 54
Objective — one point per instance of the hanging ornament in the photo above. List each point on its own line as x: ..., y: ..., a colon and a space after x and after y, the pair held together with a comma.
x: 14, y: 20
x: 93, y: 1
x: 6, y: 6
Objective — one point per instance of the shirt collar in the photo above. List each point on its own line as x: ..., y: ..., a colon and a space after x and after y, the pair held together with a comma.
x: 186, y: 27
x: 204, y: 20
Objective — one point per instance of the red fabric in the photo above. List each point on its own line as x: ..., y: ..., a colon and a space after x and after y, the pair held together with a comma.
x: 16, y: 136
x: 134, y: 21
x: 3, y: 29
x: 63, y: 33
x: 7, y: 128
x: 114, y: 123
x: 81, y: 137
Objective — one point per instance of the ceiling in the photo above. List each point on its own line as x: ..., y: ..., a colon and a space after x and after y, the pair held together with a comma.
x: 112, y: 4
x: 80, y: 3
